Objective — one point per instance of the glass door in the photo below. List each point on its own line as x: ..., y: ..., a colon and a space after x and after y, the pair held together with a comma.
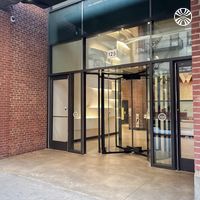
x: 76, y: 136
x: 59, y: 119
x: 161, y: 119
x: 124, y: 113
x: 172, y: 115
x: 110, y: 113
x: 185, y: 115
x: 67, y: 109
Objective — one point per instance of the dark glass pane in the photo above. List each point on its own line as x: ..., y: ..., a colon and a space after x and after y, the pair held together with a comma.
x: 101, y: 16
x: 167, y: 8
x: 65, y: 24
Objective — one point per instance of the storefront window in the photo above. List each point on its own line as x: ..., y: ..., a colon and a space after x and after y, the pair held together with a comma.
x: 118, y: 47
x: 67, y: 57
x: 170, y: 40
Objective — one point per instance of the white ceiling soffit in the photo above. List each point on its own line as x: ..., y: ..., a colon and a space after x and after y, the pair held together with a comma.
x: 4, y: 4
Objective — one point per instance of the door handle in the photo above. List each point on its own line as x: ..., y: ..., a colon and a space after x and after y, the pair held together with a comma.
x: 75, y: 114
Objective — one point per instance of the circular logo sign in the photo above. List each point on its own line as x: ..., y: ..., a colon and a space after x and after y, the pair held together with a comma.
x: 183, y: 17
x: 162, y: 116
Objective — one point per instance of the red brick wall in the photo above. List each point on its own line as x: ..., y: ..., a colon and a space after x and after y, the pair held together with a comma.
x: 195, y: 7
x: 23, y: 80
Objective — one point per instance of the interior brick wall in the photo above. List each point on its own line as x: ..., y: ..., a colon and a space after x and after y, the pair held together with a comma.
x: 23, y: 79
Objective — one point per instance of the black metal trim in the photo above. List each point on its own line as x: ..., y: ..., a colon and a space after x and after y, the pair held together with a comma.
x: 173, y: 114
x: 70, y: 114
x: 103, y: 150
x: 83, y: 113
x: 152, y: 155
x: 99, y: 114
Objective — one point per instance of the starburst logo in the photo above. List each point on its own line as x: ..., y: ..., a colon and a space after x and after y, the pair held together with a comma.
x: 183, y: 17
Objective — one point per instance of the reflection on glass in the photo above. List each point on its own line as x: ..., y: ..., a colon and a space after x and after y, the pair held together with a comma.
x: 77, y: 112
x: 162, y: 114
x: 67, y: 57
x: 186, y: 112
x: 60, y: 110
x: 170, y: 40
x: 65, y: 25
x: 119, y: 47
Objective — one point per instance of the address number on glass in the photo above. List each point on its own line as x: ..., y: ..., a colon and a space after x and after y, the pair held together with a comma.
x: 162, y: 116
x: 112, y: 53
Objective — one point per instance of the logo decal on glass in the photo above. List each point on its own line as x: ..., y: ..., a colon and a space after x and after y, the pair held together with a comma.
x: 183, y: 17
x: 162, y: 116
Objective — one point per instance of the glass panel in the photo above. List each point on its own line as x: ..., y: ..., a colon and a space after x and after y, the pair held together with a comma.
x: 110, y: 114
x: 92, y: 113
x: 186, y: 112
x: 60, y: 110
x: 162, y: 114
x: 67, y: 57
x: 77, y: 112
x: 65, y: 24
x: 119, y: 47
x: 101, y: 16
x: 170, y: 40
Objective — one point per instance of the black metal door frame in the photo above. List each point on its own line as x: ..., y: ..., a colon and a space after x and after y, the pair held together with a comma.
x: 71, y: 114
x: 56, y: 144
x: 69, y: 146
x: 172, y: 116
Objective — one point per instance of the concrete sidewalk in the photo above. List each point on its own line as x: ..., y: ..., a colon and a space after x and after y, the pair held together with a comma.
x: 15, y: 187
x: 58, y: 175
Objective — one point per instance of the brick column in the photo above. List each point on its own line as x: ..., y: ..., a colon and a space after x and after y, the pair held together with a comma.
x: 195, y: 7
x: 23, y: 79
